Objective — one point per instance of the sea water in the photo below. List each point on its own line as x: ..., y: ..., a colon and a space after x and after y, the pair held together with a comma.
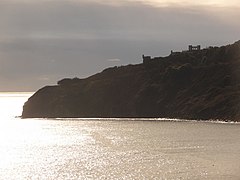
x: 114, y: 148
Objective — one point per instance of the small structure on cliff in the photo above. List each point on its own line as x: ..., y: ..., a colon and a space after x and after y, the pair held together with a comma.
x: 194, y: 48
x: 146, y: 59
x: 174, y: 52
x: 191, y: 48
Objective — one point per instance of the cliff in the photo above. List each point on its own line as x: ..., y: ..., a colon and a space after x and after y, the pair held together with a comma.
x: 201, y: 84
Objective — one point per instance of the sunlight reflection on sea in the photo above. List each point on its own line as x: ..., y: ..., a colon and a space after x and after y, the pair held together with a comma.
x: 113, y: 148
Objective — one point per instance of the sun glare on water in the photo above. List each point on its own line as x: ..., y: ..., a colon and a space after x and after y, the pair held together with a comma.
x: 11, y: 104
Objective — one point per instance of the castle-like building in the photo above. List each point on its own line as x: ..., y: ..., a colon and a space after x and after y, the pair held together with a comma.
x: 194, y: 48
x: 191, y: 48
x: 146, y: 58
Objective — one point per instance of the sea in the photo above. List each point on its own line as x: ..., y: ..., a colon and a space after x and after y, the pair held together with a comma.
x: 114, y: 148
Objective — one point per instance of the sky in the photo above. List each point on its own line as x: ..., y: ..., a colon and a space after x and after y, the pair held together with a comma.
x: 43, y: 41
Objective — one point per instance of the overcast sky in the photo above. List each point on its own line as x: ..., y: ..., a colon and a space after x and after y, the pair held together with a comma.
x: 43, y: 41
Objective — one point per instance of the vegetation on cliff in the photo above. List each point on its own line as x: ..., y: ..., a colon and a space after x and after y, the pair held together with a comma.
x: 202, y: 84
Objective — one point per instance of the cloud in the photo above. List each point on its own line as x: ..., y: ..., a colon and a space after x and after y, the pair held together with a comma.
x: 158, y: 3
x: 80, y: 36
x: 82, y: 20
x: 184, y: 3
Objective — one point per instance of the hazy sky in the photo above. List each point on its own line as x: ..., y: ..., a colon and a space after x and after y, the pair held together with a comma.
x: 43, y: 41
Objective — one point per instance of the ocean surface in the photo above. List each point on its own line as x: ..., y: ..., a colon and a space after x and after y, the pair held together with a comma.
x: 114, y: 148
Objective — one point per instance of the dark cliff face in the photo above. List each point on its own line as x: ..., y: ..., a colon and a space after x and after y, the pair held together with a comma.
x: 192, y: 85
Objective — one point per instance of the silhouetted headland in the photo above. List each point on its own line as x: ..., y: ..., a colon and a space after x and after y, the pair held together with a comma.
x: 193, y: 84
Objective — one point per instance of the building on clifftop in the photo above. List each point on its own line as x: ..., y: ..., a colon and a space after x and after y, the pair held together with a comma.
x: 146, y: 59
x: 194, y: 48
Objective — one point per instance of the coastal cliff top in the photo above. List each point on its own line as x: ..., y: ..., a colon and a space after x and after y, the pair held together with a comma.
x: 198, y: 84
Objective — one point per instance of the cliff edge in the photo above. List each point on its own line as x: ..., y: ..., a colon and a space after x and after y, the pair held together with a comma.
x: 197, y: 84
